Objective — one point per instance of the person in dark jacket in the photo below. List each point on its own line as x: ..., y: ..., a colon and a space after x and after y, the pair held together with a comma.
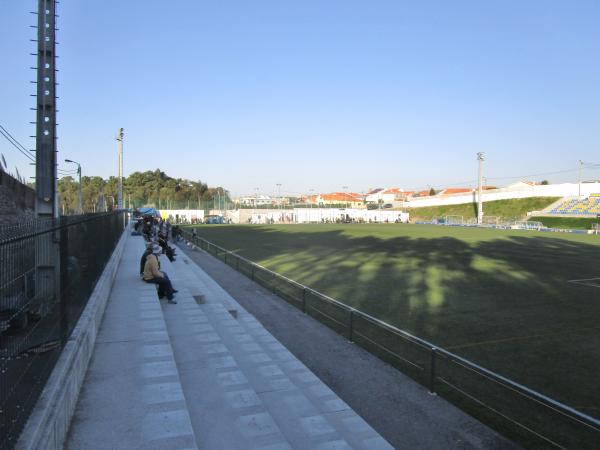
x: 152, y: 274
x: 166, y: 249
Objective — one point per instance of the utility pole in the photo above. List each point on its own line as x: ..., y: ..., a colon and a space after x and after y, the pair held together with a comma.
x: 47, y: 245
x: 45, y: 142
x: 119, y: 138
x: 480, y: 157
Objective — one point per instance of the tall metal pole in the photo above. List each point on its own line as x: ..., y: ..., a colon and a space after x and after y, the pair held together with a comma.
x: 45, y: 143
x: 47, y: 245
x: 119, y: 138
x: 480, y: 157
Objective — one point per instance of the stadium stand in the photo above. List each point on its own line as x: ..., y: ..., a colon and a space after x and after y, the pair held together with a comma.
x: 579, y: 207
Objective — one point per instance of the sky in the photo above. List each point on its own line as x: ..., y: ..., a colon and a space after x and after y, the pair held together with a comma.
x: 328, y: 95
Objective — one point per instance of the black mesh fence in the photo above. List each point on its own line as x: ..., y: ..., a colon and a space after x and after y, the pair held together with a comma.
x: 526, y: 416
x: 48, y: 269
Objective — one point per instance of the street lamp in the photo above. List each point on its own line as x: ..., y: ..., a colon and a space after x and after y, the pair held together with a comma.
x: 119, y: 138
x: 80, y: 192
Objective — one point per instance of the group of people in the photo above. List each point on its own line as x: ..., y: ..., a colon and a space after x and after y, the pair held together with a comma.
x: 156, y: 233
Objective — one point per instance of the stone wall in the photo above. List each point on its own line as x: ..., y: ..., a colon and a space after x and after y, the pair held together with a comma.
x: 17, y: 201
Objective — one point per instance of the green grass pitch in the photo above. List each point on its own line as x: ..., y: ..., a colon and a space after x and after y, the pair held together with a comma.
x: 502, y: 299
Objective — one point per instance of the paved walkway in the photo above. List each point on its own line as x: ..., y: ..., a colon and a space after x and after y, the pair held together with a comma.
x: 201, y: 374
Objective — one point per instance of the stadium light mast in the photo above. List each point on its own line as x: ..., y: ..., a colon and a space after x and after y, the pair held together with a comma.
x: 480, y: 157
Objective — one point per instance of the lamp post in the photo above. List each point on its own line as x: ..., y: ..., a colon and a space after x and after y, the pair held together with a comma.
x: 119, y: 138
x: 80, y: 210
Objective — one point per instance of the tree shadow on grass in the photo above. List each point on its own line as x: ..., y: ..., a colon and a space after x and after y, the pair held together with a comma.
x: 501, y: 302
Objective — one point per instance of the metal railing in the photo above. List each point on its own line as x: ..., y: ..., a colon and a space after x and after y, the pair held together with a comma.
x: 522, y: 414
x: 48, y: 270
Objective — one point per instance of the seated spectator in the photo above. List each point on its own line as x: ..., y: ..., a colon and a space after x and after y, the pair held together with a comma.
x: 166, y: 249
x: 152, y: 274
x: 147, y: 252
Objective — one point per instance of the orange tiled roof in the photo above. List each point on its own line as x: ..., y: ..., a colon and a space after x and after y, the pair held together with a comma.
x: 457, y: 190
x: 393, y: 191
x: 340, y: 196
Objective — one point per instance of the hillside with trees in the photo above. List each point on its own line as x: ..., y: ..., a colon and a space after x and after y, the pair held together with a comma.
x: 150, y: 188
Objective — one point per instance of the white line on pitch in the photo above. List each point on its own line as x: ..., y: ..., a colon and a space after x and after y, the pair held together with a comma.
x: 584, y: 279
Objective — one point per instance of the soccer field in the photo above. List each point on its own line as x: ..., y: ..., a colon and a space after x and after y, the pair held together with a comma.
x: 506, y: 300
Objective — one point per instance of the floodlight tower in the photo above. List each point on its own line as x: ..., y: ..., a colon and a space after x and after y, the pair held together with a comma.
x: 480, y: 157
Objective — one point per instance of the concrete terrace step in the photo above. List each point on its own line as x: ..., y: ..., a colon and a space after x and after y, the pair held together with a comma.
x: 244, y: 389
x: 132, y: 396
x: 194, y: 375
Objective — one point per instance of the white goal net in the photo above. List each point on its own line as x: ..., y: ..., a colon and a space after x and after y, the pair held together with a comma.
x: 454, y: 220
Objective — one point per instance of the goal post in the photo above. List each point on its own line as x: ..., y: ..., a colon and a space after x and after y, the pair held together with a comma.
x: 491, y: 220
x: 454, y: 220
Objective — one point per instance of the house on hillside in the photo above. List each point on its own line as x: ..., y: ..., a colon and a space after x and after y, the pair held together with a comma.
x: 424, y: 193
x: 258, y: 200
x: 388, y: 195
x: 340, y: 198
x: 451, y: 191
x: 522, y: 185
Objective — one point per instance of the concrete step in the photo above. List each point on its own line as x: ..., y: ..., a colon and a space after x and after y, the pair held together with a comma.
x: 132, y: 396
x: 243, y: 388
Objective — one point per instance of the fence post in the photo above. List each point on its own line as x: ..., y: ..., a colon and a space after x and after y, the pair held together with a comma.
x: 351, y: 327
x: 252, y: 276
x: 304, y: 300
x: 432, y: 371
x: 237, y: 263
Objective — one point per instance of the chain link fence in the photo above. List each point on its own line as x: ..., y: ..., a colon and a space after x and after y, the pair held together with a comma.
x: 524, y: 415
x: 48, y: 270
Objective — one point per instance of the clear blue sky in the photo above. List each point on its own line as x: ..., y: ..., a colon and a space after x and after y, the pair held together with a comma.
x: 316, y: 94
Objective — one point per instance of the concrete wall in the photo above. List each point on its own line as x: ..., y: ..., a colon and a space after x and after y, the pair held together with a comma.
x: 550, y: 190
